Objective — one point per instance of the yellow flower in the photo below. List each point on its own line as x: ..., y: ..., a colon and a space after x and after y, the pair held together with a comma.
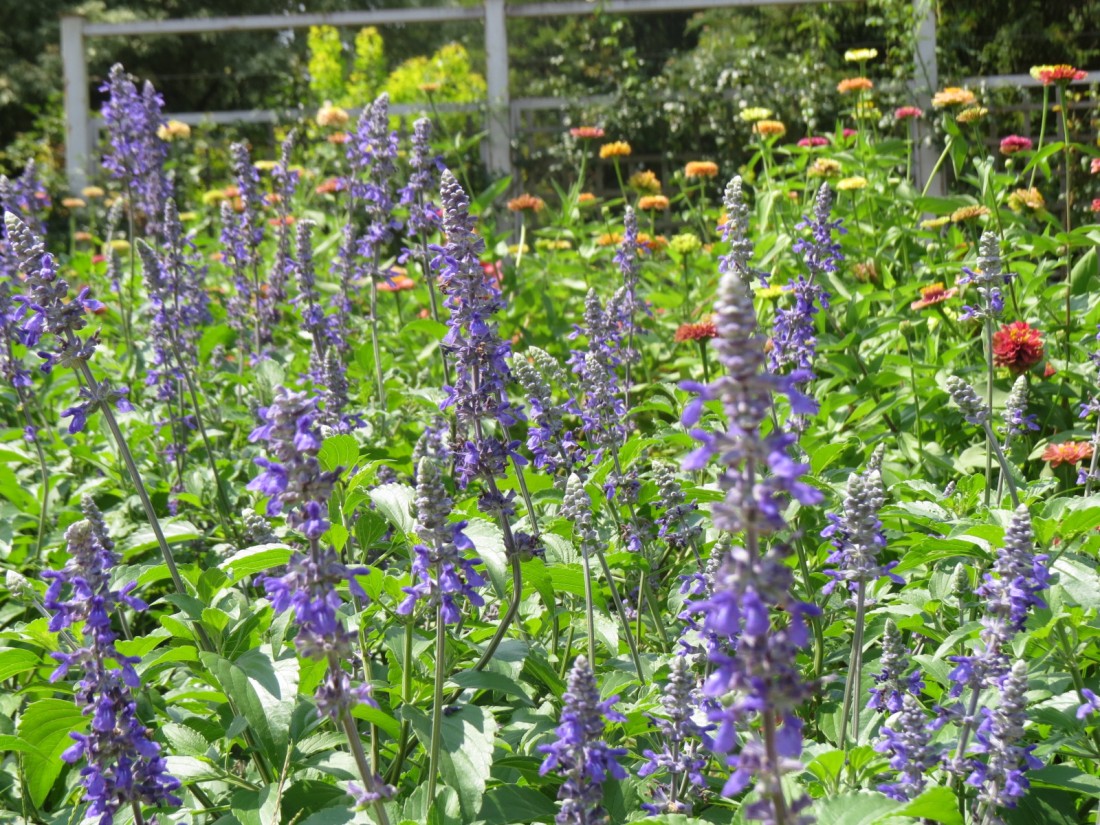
x: 656, y: 203
x: 329, y: 116
x: 92, y: 192
x: 174, y: 130
x: 823, y: 168
x: 755, y: 113
x: 935, y: 223
x: 865, y: 271
x: 188, y: 216
x: 644, y: 181
x: 866, y: 110
x: 553, y: 244
x: 73, y: 203
x: 1026, y: 199
x: 769, y: 128
x: 265, y: 165
x: 953, y: 96
x: 852, y: 183
x: 971, y: 114
x: 120, y: 245
x: 860, y: 55
x: 609, y: 239
x: 686, y: 243
x: 213, y: 197
x: 769, y: 293
x: 966, y: 213
x: 617, y: 149
x: 514, y: 249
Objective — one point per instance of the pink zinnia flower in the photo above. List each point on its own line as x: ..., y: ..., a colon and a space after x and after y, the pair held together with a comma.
x: 1015, y: 143
x: 813, y: 140
x: 1094, y: 166
x: 849, y: 133
x: 908, y: 111
x: 1095, y: 207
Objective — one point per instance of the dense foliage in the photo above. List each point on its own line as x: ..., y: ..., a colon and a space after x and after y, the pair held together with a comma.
x: 338, y: 492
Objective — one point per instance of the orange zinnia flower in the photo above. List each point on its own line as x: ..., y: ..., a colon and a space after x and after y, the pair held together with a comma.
x: 701, y: 331
x: 657, y: 203
x: 618, y: 149
x: 527, y: 203
x: 933, y: 294
x: 854, y: 84
x: 397, y: 283
x: 953, y: 96
x: 1067, y: 452
x: 700, y: 169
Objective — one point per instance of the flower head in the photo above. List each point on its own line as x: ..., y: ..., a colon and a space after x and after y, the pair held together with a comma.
x: 527, y: 203
x: 173, y: 130
x: 330, y: 116
x: 933, y: 294
x: 752, y: 114
x: 953, y: 96
x: 908, y: 112
x: 813, y: 141
x: 701, y: 331
x: 823, y: 168
x: 769, y: 128
x: 587, y: 132
x: 969, y: 213
x: 1061, y: 73
x: 1011, y: 144
x: 644, y: 181
x: 1023, y: 199
x: 653, y: 203
x: 854, y: 84
x: 972, y: 114
x: 700, y: 169
x: 616, y: 149
x: 1017, y: 346
x: 860, y: 55
x: 1067, y: 452
x: 851, y: 184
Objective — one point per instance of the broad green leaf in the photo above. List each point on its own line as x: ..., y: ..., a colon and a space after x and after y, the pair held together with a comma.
x: 175, y: 532
x: 255, y: 559
x: 16, y: 660
x: 264, y: 691
x: 936, y: 804
x: 467, y: 751
x: 507, y: 804
x: 46, y: 725
x: 488, y: 680
x: 339, y: 452
x: 858, y: 808
x: 1066, y: 777
x: 394, y: 501
x: 184, y: 740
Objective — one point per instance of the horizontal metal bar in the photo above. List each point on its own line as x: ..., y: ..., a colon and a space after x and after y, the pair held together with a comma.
x: 1001, y: 80
x: 574, y: 7
x: 260, y: 22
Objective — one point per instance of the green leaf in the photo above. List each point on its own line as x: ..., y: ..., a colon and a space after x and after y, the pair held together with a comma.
x: 264, y: 690
x: 858, y: 808
x: 255, y: 559
x: 466, y: 756
x: 488, y: 680
x: 394, y: 501
x: 1067, y: 777
x: 1079, y: 580
x: 46, y: 725
x: 339, y: 452
x: 184, y: 740
x: 16, y: 660
x: 507, y: 804
x: 175, y: 532
x: 936, y: 804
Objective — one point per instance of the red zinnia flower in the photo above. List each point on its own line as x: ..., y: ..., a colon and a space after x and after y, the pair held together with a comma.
x: 696, y: 332
x: 813, y: 140
x: 1059, y: 73
x: 1068, y: 452
x: 1017, y: 346
x: 1015, y: 143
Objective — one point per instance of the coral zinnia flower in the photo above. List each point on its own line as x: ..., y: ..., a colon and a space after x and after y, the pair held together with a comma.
x: 609, y: 239
x: 1094, y: 166
x: 701, y: 331
x: 933, y: 294
x: 397, y: 283
x: 953, y: 96
x: 657, y: 203
x: 527, y: 203
x: 586, y: 199
x: 1067, y: 452
x: 854, y: 84
x: 1095, y: 205
x: 700, y: 169
x: 73, y: 203
x: 813, y: 140
x: 1012, y: 144
x: 586, y: 132
x: 329, y: 115
x: 1017, y: 346
x: 903, y: 112
x: 652, y: 244
x: 1057, y: 74
x: 769, y: 128
x: 617, y: 149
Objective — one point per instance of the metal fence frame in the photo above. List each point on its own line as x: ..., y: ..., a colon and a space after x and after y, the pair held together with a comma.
x: 502, y: 112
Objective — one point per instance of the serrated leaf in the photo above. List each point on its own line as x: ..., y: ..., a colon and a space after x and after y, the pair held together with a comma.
x: 508, y: 804
x: 1066, y: 777
x: 189, y: 769
x: 15, y: 660
x: 46, y: 725
x: 858, y: 808
x: 184, y: 740
x: 394, y: 501
x: 936, y: 804
x: 175, y: 532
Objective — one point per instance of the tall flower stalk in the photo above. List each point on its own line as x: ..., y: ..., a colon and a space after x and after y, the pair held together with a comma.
x: 761, y: 683
x: 123, y: 767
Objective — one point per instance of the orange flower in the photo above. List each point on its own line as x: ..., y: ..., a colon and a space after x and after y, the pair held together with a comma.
x: 287, y: 221
x: 701, y: 169
x: 586, y: 199
x: 769, y: 128
x: 966, y: 213
x: 609, y: 239
x: 953, y: 96
x: 586, y: 132
x: 654, y: 244
x: 338, y: 137
x: 1067, y: 452
x: 399, y: 282
x: 617, y: 149
x: 527, y: 203
x: 645, y: 181
x: 328, y: 187
x: 702, y: 331
x: 933, y: 294
x: 656, y: 203
x: 854, y: 84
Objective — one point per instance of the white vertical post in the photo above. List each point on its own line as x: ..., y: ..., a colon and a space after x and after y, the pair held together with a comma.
x: 75, y: 76
x: 500, y: 106
x: 925, y: 82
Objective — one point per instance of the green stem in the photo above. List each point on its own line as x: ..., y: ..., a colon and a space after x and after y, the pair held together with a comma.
x: 376, y: 348
x: 366, y: 775
x: 437, y: 702
x: 1068, y: 198
x: 1042, y: 135
x: 589, y: 608
x: 990, y: 442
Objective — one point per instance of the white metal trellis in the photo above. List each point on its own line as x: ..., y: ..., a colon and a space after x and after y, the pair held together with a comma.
x: 502, y: 113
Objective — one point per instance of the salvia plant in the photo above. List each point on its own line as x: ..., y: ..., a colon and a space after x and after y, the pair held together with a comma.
x: 335, y: 490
